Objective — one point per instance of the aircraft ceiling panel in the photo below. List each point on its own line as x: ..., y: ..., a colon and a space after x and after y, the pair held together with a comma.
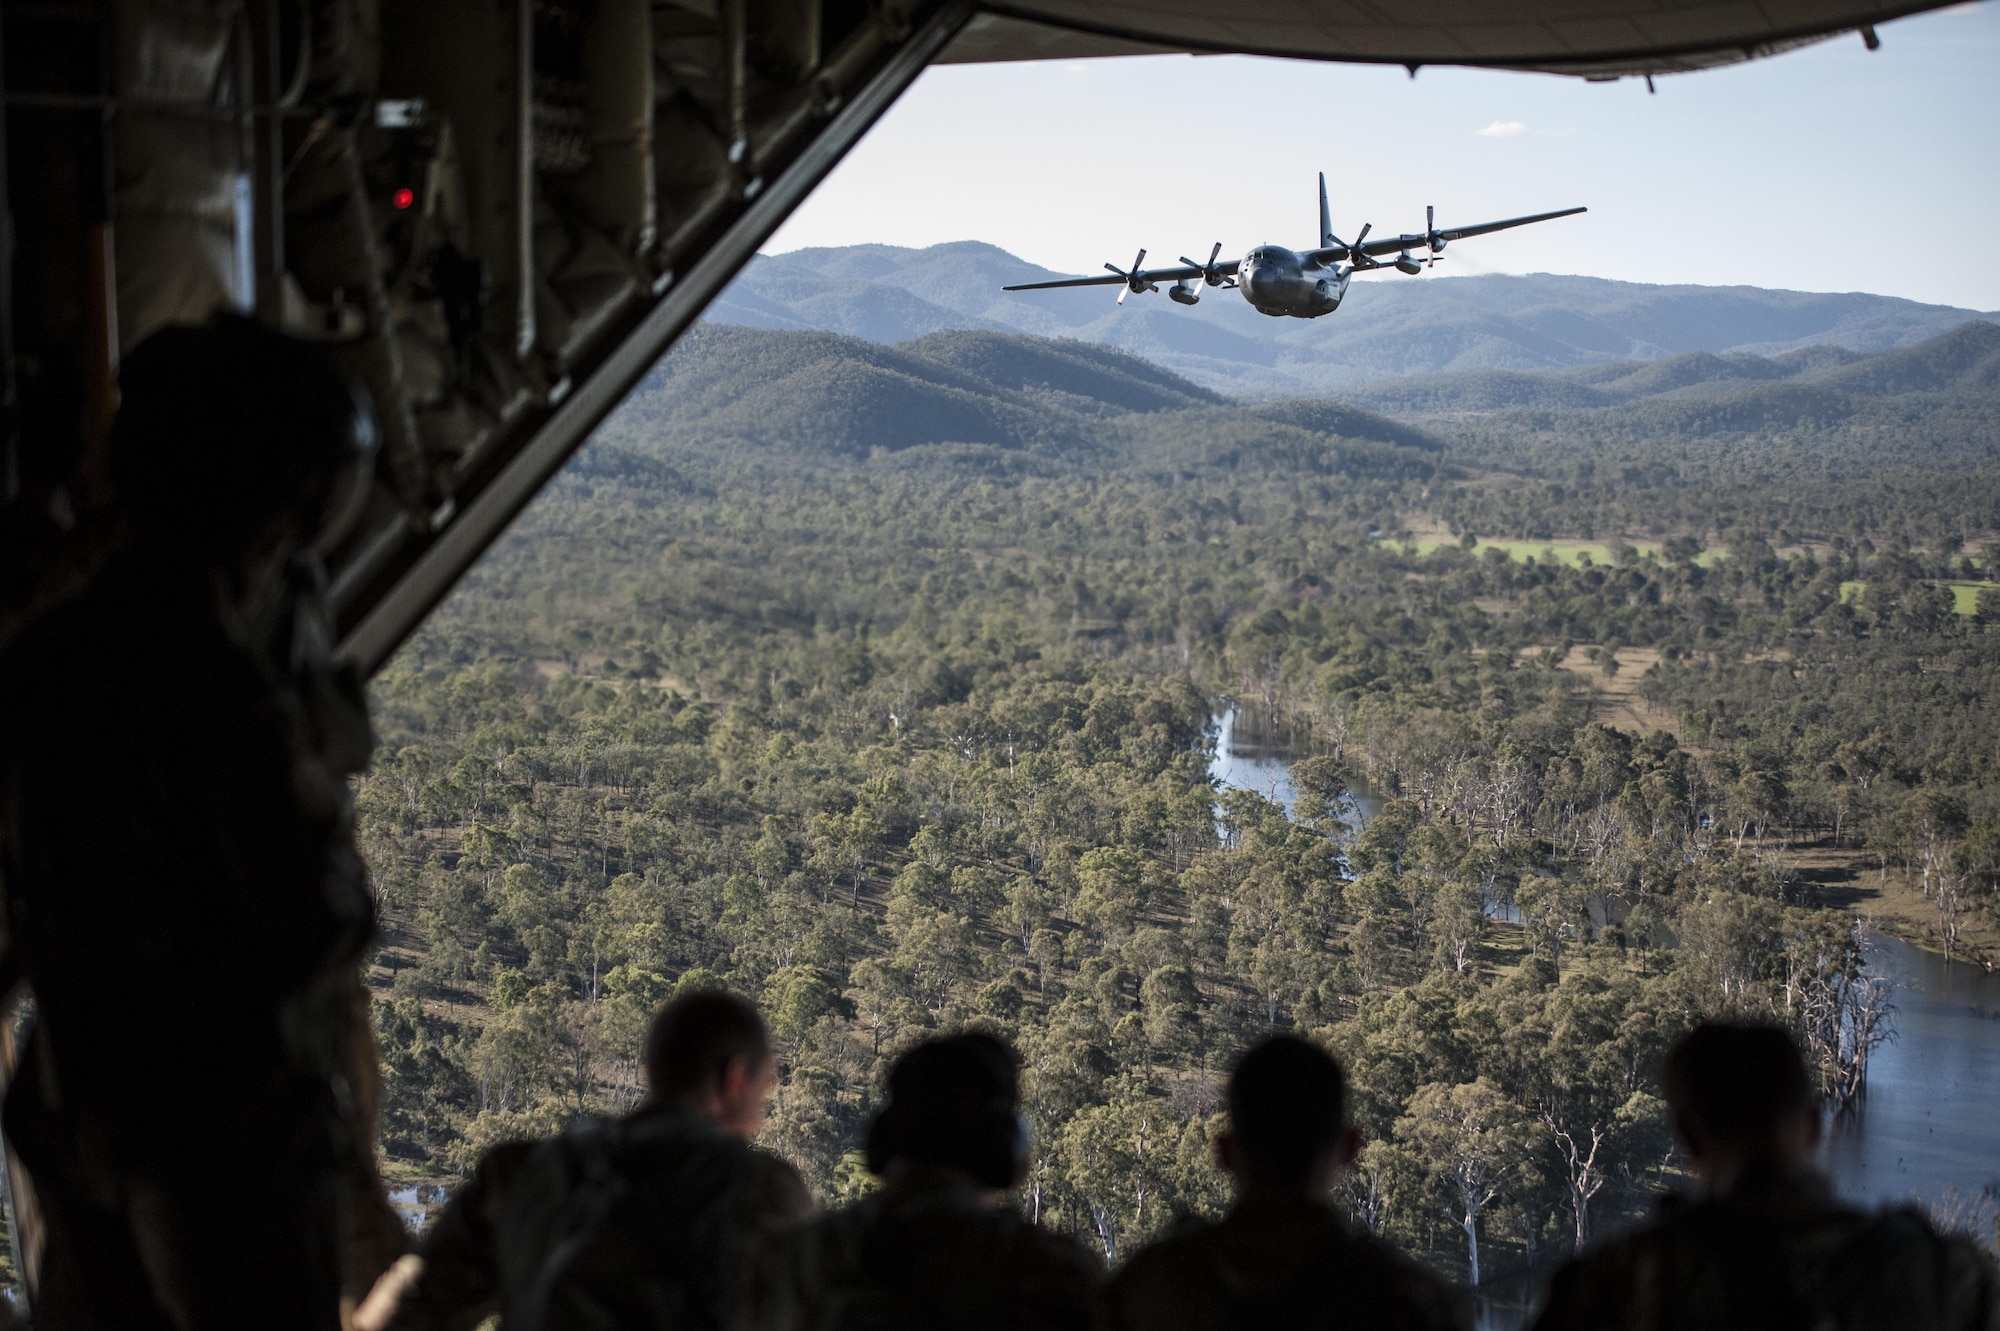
x: 1593, y: 38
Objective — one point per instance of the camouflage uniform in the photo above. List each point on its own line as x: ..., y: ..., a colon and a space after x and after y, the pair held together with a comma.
x: 680, y: 1209
x: 1779, y: 1252
x: 927, y: 1251
x: 1277, y: 1263
x: 184, y: 895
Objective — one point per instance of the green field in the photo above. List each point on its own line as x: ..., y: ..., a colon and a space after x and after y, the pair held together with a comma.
x: 1964, y: 595
x: 1567, y: 552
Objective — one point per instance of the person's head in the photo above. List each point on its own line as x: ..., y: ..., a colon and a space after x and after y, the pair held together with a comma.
x: 1740, y: 1094
x: 234, y: 442
x: 953, y: 1104
x: 1288, y: 1129
x: 708, y: 1051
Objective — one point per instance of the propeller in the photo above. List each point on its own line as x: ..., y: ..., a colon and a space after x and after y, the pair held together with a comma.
x: 1355, y: 257
x: 1133, y: 280
x: 1431, y: 236
x: 1208, y: 270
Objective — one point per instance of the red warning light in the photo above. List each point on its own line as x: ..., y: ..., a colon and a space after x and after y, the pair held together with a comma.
x: 404, y: 198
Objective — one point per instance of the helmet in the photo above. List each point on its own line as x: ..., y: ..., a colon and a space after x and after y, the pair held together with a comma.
x: 229, y: 432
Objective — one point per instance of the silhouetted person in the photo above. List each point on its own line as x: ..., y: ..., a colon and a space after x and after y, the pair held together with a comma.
x: 182, y: 887
x: 1282, y: 1257
x: 1764, y: 1244
x: 936, y: 1246
x: 645, y: 1222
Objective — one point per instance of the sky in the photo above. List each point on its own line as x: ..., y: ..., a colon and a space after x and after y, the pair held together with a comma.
x: 1831, y: 168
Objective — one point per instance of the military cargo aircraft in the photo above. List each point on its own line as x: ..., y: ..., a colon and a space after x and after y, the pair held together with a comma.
x: 1280, y: 282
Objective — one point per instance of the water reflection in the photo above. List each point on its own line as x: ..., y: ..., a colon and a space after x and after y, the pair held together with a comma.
x: 415, y: 1203
x: 1929, y: 1126
x: 1255, y: 758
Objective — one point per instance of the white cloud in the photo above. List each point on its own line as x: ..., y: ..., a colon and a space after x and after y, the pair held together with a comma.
x: 1502, y: 129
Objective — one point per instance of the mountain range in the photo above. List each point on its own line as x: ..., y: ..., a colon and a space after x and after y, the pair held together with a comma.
x: 1390, y: 326
x: 816, y: 393
x: 1702, y: 392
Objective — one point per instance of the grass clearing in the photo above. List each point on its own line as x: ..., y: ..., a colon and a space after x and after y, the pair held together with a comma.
x: 1615, y: 697
x: 1891, y: 899
x: 1964, y: 595
x: 1572, y: 553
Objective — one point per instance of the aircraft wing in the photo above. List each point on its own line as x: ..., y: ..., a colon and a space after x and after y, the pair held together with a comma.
x: 1397, y: 244
x: 1180, y: 273
x: 1375, y: 247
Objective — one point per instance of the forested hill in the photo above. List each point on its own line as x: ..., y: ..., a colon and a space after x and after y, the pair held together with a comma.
x: 1710, y: 391
x: 1806, y: 445
x: 1058, y: 399
x: 1390, y: 325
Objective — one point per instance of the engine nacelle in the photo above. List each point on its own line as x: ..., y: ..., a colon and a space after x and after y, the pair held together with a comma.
x: 1183, y: 294
x: 1405, y: 264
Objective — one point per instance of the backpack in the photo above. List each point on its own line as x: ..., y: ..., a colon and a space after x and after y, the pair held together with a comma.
x: 621, y: 1225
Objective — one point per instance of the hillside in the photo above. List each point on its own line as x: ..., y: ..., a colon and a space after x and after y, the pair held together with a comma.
x: 1810, y: 444
x: 814, y: 394
x: 1813, y: 382
x: 1834, y: 441
x: 1390, y: 326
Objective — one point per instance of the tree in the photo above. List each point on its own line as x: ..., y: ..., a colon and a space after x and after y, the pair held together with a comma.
x: 1552, y: 912
x: 843, y: 842
x: 1172, y: 1007
x: 1110, y: 889
x: 1119, y: 1158
x: 797, y: 997
x: 1597, y: 1040
x: 879, y: 994
x: 1476, y: 1144
x: 1840, y: 1009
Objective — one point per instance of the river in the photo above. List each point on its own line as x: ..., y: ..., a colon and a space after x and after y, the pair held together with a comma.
x: 1928, y: 1129
x: 1259, y: 762
x: 1929, y: 1125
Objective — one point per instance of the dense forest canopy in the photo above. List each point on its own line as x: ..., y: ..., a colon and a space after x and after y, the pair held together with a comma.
x: 884, y: 693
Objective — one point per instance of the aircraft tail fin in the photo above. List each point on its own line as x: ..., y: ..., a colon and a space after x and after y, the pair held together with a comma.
x: 1325, y: 217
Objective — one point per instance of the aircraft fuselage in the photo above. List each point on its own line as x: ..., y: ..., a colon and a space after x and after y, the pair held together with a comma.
x: 1278, y: 282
